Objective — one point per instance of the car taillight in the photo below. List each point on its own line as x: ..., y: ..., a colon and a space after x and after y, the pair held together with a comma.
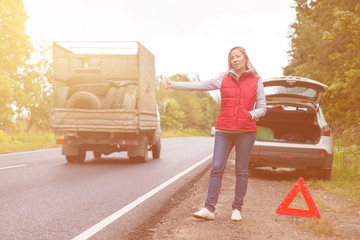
x: 326, y: 131
x: 322, y: 154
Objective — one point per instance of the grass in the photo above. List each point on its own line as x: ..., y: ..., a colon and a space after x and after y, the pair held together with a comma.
x: 18, y: 142
x: 189, y: 132
x: 321, y: 227
x: 299, y: 203
x: 25, y: 141
x: 345, y: 173
x: 344, y: 181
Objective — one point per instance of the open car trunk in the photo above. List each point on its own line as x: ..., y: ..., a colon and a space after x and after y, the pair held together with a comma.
x: 291, y: 124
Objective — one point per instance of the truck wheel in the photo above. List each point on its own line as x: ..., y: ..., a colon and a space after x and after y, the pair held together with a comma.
x: 144, y: 158
x: 84, y: 100
x: 156, y: 149
x: 119, y: 98
x: 109, y: 98
x: 146, y: 151
x: 61, y: 95
x: 76, y: 158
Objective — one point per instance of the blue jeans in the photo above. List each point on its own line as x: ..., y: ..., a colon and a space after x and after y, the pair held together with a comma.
x: 224, y: 142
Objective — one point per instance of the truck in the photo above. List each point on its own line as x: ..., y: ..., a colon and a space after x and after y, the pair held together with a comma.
x: 105, y: 100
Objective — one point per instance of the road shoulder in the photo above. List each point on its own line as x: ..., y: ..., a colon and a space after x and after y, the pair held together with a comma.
x: 340, y: 217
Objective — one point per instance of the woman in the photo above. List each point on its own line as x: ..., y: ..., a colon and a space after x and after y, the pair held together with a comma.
x: 242, y: 102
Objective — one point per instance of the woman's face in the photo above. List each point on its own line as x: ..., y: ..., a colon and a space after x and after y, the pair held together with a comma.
x: 237, y: 60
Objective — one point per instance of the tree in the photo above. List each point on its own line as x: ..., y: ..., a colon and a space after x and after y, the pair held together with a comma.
x: 199, y: 108
x: 6, y: 92
x: 33, y: 95
x: 171, y: 119
x: 345, y: 36
x: 309, y: 51
x: 15, y: 48
x: 325, y: 47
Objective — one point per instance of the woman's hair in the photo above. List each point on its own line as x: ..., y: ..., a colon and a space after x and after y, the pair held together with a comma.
x: 249, y: 66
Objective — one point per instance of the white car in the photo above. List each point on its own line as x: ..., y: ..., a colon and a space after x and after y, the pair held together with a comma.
x: 213, y: 131
x: 293, y: 133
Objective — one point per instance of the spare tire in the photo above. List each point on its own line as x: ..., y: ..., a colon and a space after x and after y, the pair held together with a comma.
x: 108, y: 101
x: 119, y: 98
x: 84, y: 100
x: 130, y: 98
x: 98, y: 89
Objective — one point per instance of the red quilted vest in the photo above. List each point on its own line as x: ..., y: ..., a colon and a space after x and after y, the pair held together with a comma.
x: 237, y: 99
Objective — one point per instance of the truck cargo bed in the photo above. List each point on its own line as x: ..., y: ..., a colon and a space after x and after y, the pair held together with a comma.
x: 64, y: 120
x: 105, y: 100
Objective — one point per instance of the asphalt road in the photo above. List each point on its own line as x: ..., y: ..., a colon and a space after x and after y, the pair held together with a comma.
x: 44, y: 197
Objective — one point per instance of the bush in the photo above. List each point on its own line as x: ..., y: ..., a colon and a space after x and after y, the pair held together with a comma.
x: 345, y: 172
x: 3, y: 137
x: 25, y: 141
x: 347, y: 161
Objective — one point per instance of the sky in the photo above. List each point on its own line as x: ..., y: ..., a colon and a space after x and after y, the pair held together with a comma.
x: 191, y: 37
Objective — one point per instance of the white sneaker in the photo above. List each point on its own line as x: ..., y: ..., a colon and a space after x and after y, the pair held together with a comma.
x: 204, y: 213
x: 236, y: 215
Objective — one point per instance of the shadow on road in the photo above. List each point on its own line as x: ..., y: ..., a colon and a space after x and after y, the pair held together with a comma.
x: 281, y: 174
x: 108, y: 161
x: 112, y: 160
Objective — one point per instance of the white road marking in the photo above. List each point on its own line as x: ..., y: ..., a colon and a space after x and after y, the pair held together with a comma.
x: 26, y: 152
x: 15, y: 166
x: 105, y: 222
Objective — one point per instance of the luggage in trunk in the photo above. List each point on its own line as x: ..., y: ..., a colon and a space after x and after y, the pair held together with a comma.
x: 289, y: 124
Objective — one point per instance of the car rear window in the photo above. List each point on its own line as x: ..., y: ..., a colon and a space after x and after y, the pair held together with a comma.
x: 298, y: 91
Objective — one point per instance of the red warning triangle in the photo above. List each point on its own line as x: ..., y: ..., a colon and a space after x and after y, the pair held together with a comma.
x: 300, y: 186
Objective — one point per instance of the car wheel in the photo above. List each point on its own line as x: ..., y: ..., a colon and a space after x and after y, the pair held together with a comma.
x: 251, y: 167
x: 97, y: 155
x: 324, y: 174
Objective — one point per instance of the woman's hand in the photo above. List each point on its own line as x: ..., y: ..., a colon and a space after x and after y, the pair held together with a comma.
x: 166, y: 82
